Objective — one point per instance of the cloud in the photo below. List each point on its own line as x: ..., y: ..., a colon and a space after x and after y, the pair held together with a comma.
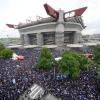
x: 15, y: 11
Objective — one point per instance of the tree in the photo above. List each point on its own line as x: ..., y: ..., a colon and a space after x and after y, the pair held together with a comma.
x: 46, y: 60
x: 1, y: 48
x: 69, y: 65
x: 96, y: 54
x: 6, y: 53
x: 98, y: 73
x: 84, y: 62
x: 72, y: 62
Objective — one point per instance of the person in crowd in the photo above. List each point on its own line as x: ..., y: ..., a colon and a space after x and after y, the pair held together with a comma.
x: 17, y: 76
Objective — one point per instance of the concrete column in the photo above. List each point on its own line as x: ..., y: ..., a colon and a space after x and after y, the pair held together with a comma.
x: 39, y: 39
x: 22, y: 39
x: 77, y: 37
x: 59, y: 35
x: 26, y: 39
x: 59, y: 38
x: 61, y: 16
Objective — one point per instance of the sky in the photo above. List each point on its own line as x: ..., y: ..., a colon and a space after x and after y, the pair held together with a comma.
x: 16, y: 11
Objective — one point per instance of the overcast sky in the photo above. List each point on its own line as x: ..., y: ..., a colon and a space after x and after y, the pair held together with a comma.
x: 15, y: 11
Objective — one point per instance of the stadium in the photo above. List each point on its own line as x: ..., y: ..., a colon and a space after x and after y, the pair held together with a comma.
x: 60, y: 29
x: 22, y: 78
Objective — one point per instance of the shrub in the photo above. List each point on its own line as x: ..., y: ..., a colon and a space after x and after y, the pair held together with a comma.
x: 46, y: 60
x: 6, y: 53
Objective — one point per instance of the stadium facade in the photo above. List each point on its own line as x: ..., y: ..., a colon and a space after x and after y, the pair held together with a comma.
x: 60, y: 29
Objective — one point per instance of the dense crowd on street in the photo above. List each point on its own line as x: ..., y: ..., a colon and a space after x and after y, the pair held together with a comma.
x: 17, y: 76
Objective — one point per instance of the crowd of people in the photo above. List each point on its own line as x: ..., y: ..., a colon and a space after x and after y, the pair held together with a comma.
x: 17, y: 76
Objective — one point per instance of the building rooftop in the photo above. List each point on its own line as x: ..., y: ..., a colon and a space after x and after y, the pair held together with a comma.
x: 77, y: 19
x: 41, y: 21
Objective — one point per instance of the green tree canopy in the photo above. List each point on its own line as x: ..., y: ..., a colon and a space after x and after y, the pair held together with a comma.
x: 98, y: 72
x: 96, y: 54
x: 72, y: 62
x: 1, y: 46
x: 69, y: 65
x: 6, y: 53
x: 84, y: 62
x: 96, y: 59
x: 45, y: 60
